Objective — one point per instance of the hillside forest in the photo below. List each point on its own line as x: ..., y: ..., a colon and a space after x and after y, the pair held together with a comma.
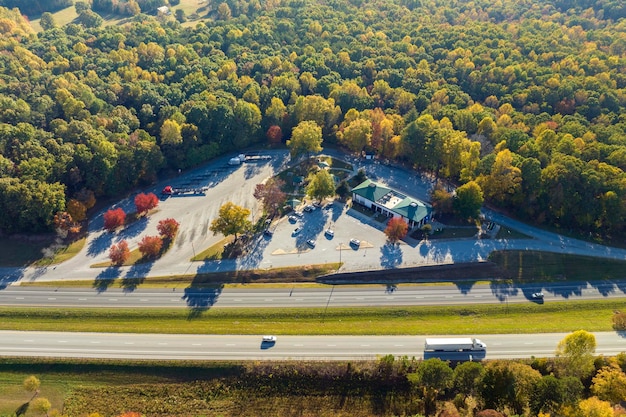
x: 526, y: 99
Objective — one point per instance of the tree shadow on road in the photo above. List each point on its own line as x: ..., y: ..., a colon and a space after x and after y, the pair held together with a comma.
x: 503, y: 290
x: 100, y: 244
x: 201, y: 299
x: 391, y: 256
x: 136, y: 275
x: 106, y: 278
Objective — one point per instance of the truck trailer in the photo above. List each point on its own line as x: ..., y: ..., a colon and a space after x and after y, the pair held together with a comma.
x: 454, y: 344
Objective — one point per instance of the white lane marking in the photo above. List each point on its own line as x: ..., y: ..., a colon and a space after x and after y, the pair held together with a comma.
x: 196, y: 344
x: 112, y: 299
x: 62, y: 341
x: 82, y: 299
x: 95, y: 342
x: 19, y: 298
x: 143, y: 299
x: 51, y: 298
x: 129, y: 343
x: 29, y: 340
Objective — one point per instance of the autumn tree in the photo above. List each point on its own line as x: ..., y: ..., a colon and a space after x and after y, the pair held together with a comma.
x: 114, y: 218
x: 150, y: 246
x: 321, y: 185
x: 594, y: 407
x: 119, y: 253
x: 168, y: 228
x: 396, y: 229
x: 32, y: 384
x: 76, y: 209
x: 575, y: 354
x: 357, y: 135
x: 274, y: 135
x: 41, y: 405
x: 468, y: 200
x: 609, y: 384
x: 145, y: 202
x: 305, y: 138
x: 271, y: 195
x: 232, y: 220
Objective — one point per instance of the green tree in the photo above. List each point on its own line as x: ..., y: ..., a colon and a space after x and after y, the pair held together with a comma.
x: 575, y: 354
x: 47, y: 21
x: 467, y: 377
x: 468, y: 200
x: 171, y: 133
x: 433, y: 377
x: 305, y: 138
x: 232, y: 220
x: 321, y: 185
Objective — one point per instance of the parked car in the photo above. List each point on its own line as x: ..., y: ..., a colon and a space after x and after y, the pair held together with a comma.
x: 298, y: 214
x: 329, y: 232
x: 293, y: 219
x: 355, y: 242
x: 537, y: 296
x: 311, y: 243
x: 268, y: 232
x: 296, y: 231
x: 309, y: 208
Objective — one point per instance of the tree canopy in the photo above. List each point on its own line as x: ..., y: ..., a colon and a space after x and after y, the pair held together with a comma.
x: 526, y: 99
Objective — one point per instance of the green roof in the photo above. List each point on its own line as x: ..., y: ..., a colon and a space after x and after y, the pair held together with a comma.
x: 370, y: 190
x: 412, y: 209
x: 408, y: 207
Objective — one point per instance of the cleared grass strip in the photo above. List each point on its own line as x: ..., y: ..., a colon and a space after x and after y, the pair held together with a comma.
x: 420, y: 320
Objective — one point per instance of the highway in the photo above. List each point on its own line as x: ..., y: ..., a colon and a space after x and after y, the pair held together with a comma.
x: 236, y: 347
x: 297, y: 296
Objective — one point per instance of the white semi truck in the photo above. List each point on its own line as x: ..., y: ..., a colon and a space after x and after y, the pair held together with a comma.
x: 454, y: 344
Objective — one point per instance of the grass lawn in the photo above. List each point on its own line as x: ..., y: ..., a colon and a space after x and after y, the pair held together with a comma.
x: 215, y: 252
x: 452, y: 233
x: 555, y: 316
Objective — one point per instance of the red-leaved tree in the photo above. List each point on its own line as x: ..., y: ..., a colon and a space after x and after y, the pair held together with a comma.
x: 396, y: 229
x: 168, y: 228
x: 150, y: 246
x: 114, y: 219
x: 118, y: 254
x: 274, y: 135
x: 145, y: 202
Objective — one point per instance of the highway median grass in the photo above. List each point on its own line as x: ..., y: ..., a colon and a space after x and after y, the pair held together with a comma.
x: 502, y: 318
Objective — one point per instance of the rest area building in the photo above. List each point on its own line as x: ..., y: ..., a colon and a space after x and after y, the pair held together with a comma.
x: 391, y: 203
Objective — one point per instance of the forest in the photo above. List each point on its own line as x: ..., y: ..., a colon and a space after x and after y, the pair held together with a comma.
x: 524, y: 98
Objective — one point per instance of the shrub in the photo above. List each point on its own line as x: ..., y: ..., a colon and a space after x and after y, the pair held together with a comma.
x: 168, y: 228
x: 619, y: 321
x: 118, y: 254
x: 145, y: 202
x: 114, y: 219
x: 150, y: 246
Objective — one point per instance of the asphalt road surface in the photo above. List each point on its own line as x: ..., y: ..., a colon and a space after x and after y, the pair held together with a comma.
x: 296, y: 296
x: 234, y: 347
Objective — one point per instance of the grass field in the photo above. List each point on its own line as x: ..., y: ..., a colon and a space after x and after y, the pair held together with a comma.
x: 562, y: 316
